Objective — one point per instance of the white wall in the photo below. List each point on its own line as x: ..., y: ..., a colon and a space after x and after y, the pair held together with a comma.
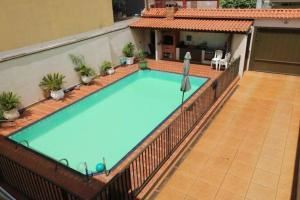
x: 142, y: 38
x: 22, y: 75
x: 214, y: 40
x: 277, y: 23
x: 238, y: 48
x: 250, y: 47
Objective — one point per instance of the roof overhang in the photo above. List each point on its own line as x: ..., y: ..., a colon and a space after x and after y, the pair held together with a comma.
x: 212, y: 25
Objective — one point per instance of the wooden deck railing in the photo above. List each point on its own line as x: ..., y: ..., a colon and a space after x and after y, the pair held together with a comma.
x: 29, y: 183
x: 295, y: 195
x: 127, y: 184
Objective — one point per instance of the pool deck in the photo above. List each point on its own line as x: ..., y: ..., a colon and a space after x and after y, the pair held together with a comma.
x: 248, y: 151
x: 47, y: 107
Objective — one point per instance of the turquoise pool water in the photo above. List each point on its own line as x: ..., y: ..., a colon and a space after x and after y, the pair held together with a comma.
x: 110, y: 122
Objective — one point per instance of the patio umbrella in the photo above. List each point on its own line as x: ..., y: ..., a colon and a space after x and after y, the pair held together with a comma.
x: 185, y: 83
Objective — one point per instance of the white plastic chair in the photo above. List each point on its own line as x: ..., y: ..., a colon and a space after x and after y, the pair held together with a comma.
x: 225, y: 61
x: 218, y: 56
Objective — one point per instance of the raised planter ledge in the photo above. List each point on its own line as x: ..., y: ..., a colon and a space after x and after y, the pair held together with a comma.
x: 44, y: 46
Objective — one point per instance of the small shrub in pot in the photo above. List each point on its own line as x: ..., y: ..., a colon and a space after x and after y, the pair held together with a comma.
x: 53, y: 83
x: 1, y: 115
x: 106, y: 68
x: 9, y: 104
x: 128, y: 52
x: 86, y: 73
x: 140, y: 55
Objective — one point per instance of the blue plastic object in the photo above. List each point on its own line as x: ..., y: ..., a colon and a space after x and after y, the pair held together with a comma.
x: 100, y: 167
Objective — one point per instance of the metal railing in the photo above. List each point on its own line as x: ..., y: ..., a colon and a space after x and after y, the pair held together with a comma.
x: 129, y: 183
x: 5, y: 195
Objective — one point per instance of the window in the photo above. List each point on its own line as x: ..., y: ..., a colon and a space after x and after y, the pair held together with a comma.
x: 285, y: 4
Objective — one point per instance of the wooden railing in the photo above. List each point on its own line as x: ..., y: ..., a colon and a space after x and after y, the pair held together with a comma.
x: 295, y: 195
x: 129, y: 183
x: 29, y: 183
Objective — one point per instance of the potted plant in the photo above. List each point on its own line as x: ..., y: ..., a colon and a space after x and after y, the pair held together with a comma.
x: 140, y: 55
x: 53, y: 83
x: 86, y: 73
x: 128, y: 52
x: 106, y: 68
x: 1, y: 115
x: 9, y: 103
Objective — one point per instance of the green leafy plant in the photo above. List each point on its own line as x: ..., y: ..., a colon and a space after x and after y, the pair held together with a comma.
x: 1, y: 114
x: 118, y: 3
x: 238, y: 3
x: 85, y: 71
x: 81, y: 67
x: 78, y: 61
x: 52, y: 82
x: 106, y: 65
x: 9, y: 101
x: 128, y: 50
x: 140, y: 55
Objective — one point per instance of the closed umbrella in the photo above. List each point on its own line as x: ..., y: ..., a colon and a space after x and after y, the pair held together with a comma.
x: 185, y: 83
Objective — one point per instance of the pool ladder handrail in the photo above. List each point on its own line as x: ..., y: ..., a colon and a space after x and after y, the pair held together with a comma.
x: 22, y: 142
x: 60, y: 161
x: 87, y: 174
x: 105, y: 170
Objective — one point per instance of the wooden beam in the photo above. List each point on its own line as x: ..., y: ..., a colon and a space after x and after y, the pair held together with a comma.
x: 184, y: 3
x: 146, y: 4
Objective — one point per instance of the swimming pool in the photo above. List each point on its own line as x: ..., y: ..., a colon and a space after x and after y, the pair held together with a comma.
x: 109, y: 123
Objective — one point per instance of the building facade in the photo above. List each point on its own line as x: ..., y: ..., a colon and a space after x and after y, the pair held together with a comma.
x: 185, y: 3
x: 29, y: 22
x: 278, y: 4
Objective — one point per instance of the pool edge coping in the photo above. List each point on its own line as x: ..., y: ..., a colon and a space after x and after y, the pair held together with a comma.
x: 115, y: 166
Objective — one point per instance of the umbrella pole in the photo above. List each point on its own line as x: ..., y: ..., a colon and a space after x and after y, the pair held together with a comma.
x: 182, y: 101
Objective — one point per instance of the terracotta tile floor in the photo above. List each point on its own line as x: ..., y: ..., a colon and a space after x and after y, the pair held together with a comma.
x: 248, y: 151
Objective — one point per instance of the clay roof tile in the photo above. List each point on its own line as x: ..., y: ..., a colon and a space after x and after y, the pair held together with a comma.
x: 240, y: 26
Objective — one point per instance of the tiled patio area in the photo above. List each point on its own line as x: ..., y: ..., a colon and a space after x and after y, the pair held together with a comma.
x: 248, y: 151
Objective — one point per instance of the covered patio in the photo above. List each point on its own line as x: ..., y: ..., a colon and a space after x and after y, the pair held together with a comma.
x: 171, y: 37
